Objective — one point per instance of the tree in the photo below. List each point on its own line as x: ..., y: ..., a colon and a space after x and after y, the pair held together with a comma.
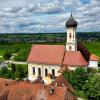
x: 84, y: 51
x: 77, y: 78
x: 13, y: 68
x: 7, y: 54
x: 22, y: 55
x: 92, y: 88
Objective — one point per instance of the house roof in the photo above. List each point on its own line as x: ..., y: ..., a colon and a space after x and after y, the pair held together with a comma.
x: 62, y: 82
x: 74, y: 58
x: 46, y: 54
x: 94, y: 57
x: 32, y: 91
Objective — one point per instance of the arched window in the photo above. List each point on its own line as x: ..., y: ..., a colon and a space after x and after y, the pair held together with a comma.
x: 53, y: 72
x: 46, y: 72
x: 70, y: 35
x: 70, y: 48
x: 39, y: 71
x: 33, y: 70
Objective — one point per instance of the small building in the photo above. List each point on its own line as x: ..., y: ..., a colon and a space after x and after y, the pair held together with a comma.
x: 94, y: 60
x: 46, y: 61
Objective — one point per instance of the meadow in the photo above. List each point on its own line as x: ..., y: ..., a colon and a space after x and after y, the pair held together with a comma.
x: 93, y: 47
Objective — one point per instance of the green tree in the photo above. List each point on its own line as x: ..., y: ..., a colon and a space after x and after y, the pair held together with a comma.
x: 22, y: 55
x: 7, y: 54
x: 77, y: 78
x: 92, y: 88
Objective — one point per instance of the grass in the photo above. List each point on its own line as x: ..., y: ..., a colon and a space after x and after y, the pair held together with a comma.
x: 13, y: 47
x: 93, y: 47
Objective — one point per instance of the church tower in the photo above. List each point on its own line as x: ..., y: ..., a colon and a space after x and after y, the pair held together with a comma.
x: 71, y: 42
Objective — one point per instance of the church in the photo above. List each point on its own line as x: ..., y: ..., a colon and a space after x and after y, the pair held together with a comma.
x: 49, y: 61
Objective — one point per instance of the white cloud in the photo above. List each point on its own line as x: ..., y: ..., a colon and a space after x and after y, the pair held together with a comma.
x: 47, y: 16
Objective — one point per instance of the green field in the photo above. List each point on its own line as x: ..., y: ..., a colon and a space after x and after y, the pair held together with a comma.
x: 93, y: 47
x: 19, y: 46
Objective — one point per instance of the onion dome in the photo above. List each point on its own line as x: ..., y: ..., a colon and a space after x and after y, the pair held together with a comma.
x: 71, y: 22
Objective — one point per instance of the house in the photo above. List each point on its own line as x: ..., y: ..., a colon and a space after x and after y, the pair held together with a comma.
x: 24, y: 90
x: 47, y: 61
x: 94, y: 60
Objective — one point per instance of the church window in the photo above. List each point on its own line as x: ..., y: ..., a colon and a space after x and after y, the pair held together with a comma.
x: 33, y: 70
x: 70, y: 48
x: 46, y: 72
x: 70, y: 35
x: 39, y: 71
x: 53, y: 72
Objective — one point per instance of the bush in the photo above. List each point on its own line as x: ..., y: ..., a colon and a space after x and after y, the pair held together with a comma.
x: 7, y: 54
x: 5, y: 73
x: 20, y: 72
x: 22, y: 55
x: 92, y: 88
x: 77, y: 78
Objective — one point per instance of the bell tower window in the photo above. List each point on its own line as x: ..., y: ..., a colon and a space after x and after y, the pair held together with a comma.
x: 70, y: 35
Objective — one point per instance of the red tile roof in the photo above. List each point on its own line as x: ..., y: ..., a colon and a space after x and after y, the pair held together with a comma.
x: 74, y: 58
x: 94, y: 57
x: 47, y: 54
x: 22, y: 90
x: 62, y: 82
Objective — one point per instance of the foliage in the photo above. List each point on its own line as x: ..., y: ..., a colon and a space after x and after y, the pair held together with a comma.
x: 85, y: 82
x: 92, y: 88
x: 77, y: 78
x: 84, y: 51
x: 7, y: 54
x: 22, y: 55
x: 5, y: 73
x: 20, y: 72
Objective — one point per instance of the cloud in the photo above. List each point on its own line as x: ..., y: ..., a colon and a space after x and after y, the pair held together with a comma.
x: 33, y: 16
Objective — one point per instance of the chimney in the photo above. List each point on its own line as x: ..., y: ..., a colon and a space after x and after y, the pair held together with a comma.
x: 51, y: 90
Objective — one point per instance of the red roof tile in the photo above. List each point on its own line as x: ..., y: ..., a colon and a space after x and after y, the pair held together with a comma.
x: 62, y: 82
x: 74, y: 58
x: 47, y: 54
x: 93, y: 57
x: 32, y: 91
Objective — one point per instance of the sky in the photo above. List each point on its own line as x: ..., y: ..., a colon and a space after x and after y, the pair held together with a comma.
x: 48, y: 16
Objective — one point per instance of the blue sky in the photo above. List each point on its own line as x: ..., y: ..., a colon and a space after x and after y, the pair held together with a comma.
x: 34, y: 16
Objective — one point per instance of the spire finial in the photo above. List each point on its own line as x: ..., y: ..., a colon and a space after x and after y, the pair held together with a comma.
x: 71, y: 13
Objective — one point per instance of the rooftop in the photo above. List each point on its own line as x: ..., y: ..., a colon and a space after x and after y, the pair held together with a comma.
x: 22, y: 90
x: 55, y: 54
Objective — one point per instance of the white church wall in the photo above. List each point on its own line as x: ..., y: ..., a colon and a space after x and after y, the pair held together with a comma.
x: 31, y: 76
x: 72, y: 67
x: 93, y: 64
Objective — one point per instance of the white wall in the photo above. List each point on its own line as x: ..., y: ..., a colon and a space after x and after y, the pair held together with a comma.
x: 43, y: 67
x: 73, y: 40
x: 93, y: 64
